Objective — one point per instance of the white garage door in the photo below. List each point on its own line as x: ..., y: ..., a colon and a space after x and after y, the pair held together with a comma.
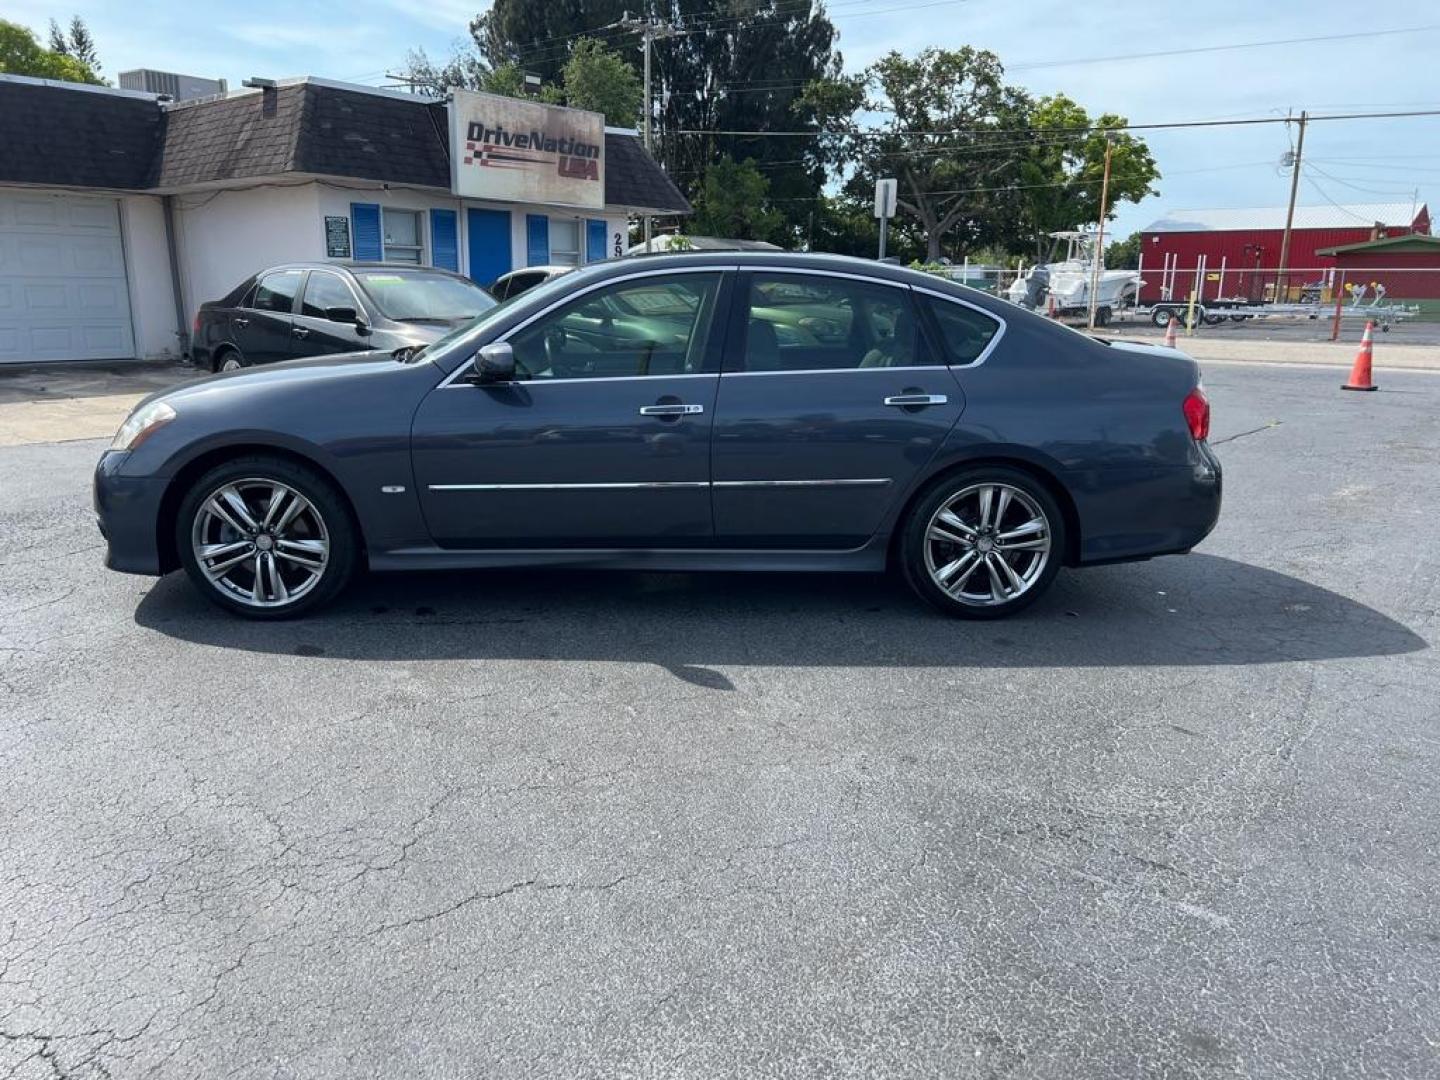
x: 62, y: 279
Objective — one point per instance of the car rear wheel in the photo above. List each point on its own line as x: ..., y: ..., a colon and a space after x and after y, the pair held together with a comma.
x: 266, y: 538
x: 983, y: 543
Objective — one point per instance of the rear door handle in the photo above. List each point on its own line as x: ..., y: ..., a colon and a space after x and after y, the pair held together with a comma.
x: 299, y: 331
x: 241, y: 322
x: 911, y: 400
x: 671, y: 410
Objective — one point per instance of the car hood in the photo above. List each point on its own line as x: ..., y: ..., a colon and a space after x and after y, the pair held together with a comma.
x: 290, y: 374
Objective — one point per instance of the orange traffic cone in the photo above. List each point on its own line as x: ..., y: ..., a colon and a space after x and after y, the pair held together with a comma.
x: 1360, y: 378
x: 1170, y: 332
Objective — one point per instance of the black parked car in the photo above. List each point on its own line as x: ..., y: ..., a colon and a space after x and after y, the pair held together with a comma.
x: 315, y: 309
x: 706, y: 411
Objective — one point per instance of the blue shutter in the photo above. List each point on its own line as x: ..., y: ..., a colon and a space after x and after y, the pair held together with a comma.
x: 444, y: 240
x: 594, y: 240
x: 365, y: 224
x: 537, y: 239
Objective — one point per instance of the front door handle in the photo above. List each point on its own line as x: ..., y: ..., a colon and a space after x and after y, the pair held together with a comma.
x: 671, y: 410
x: 299, y: 331
x: 241, y: 322
x: 911, y: 400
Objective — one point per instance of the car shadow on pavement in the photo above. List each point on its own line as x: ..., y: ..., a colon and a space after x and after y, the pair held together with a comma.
x: 1197, y: 610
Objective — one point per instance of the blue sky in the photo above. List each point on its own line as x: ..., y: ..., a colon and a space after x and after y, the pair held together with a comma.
x: 1368, y: 161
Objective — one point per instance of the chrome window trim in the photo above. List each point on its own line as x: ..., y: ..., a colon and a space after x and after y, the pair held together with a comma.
x: 836, y: 371
x: 449, y: 381
x: 994, y: 341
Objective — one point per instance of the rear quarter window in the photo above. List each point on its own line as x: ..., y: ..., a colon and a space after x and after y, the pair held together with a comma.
x: 965, y: 332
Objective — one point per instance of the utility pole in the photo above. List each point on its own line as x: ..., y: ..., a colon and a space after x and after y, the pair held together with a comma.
x: 653, y: 31
x: 1098, y: 255
x: 1283, y: 271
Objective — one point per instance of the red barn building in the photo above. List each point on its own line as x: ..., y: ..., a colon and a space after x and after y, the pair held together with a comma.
x: 1238, y: 251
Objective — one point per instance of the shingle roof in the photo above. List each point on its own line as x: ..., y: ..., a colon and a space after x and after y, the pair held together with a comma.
x: 69, y: 136
x: 633, y: 179
x: 1354, y: 215
x: 315, y: 128
x: 230, y: 139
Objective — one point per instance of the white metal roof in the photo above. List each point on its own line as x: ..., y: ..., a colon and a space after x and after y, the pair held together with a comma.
x: 1328, y: 216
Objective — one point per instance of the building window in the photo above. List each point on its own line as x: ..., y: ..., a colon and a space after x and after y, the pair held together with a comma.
x: 402, y: 236
x: 565, y: 241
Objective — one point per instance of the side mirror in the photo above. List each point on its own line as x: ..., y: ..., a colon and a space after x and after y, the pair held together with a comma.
x: 342, y: 314
x: 495, y: 363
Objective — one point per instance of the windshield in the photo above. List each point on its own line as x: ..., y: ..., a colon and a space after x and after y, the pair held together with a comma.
x: 419, y: 295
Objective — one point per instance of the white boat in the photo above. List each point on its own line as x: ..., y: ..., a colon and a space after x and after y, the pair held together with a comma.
x: 1067, y: 282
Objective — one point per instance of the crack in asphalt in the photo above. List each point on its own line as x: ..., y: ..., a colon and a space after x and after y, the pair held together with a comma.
x: 1242, y: 434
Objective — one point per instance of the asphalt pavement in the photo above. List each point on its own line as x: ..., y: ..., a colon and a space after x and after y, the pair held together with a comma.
x: 1178, y: 819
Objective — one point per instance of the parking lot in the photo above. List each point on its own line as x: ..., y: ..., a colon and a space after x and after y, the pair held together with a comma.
x: 1177, y: 819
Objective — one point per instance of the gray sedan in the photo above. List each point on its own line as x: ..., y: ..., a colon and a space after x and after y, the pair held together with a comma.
x: 707, y: 411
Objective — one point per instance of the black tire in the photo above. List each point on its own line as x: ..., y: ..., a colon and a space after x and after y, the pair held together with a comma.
x: 225, y: 354
x: 1102, y: 316
x: 914, y: 542
x: 336, y: 525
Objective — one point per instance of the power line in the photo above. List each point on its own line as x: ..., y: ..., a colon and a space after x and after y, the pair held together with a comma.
x: 1080, y: 130
x: 1035, y: 64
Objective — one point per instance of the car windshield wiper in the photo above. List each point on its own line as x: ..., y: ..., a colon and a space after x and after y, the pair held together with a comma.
x: 443, y: 320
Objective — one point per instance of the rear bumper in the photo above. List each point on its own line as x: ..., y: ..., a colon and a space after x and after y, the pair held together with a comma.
x: 127, y: 509
x: 1164, y: 512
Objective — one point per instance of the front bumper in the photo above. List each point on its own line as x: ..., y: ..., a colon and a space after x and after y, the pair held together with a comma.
x: 127, y: 509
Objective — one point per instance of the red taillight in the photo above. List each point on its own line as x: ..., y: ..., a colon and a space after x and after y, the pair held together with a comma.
x: 1196, y: 408
x: 195, y: 326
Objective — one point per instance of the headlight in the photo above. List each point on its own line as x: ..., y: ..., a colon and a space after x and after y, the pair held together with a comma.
x: 140, y: 424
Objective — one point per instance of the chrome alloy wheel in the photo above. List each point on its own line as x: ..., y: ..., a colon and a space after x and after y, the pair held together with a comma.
x: 987, y: 544
x: 260, y: 542
x: 231, y: 363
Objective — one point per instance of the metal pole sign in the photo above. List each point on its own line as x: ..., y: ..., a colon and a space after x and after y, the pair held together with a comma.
x: 886, y: 192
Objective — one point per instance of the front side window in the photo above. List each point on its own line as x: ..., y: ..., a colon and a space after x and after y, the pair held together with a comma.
x: 276, y: 291
x: 965, y: 333
x: 402, y: 236
x: 648, y: 326
x: 811, y: 323
x: 423, y: 295
x: 325, y: 291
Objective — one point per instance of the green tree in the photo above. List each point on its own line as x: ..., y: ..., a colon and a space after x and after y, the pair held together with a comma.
x: 734, y: 202
x: 948, y: 138
x: 1060, y: 175
x: 79, y: 45
x: 599, y: 80
x: 22, y: 54
x: 1124, y: 254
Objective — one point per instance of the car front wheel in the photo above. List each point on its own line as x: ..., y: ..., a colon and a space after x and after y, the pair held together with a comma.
x: 983, y: 543
x: 266, y: 538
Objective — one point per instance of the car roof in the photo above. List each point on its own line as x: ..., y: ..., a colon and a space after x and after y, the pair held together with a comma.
x: 536, y: 270
x: 793, y: 260
x: 353, y: 265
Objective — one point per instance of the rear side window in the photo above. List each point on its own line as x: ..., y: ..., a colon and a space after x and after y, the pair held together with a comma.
x: 801, y: 322
x: 276, y: 292
x: 965, y: 333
